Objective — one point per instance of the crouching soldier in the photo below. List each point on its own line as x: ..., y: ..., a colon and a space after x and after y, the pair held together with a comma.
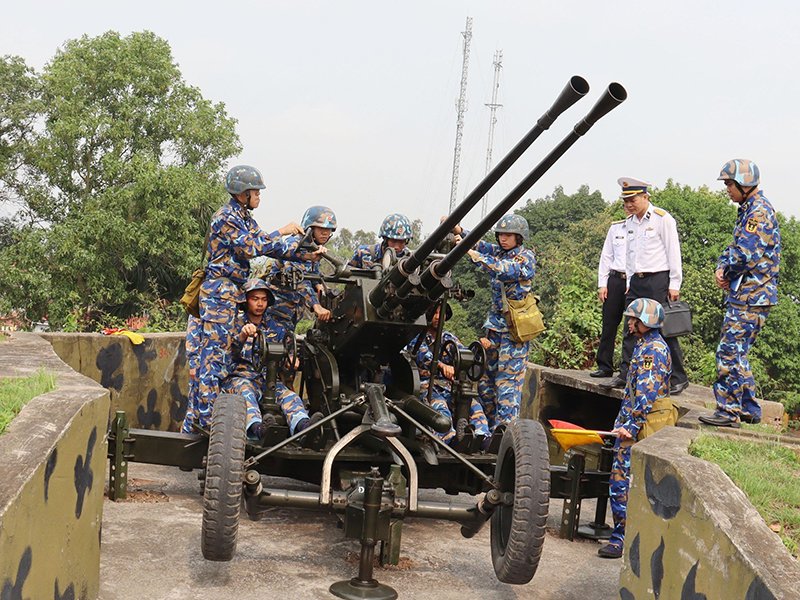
x: 647, y: 381
x: 395, y: 232
x: 244, y: 379
x: 421, y: 350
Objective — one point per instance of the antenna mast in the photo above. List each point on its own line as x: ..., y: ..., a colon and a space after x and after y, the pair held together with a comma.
x: 462, y: 108
x: 498, y: 64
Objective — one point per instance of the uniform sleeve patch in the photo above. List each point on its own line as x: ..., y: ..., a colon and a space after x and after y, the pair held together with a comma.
x: 647, y: 362
x: 752, y: 225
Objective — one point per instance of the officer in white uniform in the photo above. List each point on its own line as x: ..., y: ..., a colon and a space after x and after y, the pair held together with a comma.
x: 652, y: 268
x: 611, y: 286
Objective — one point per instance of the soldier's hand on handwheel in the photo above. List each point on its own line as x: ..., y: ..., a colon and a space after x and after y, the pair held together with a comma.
x: 249, y: 330
x: 485, y: 343
x: 447, y: 371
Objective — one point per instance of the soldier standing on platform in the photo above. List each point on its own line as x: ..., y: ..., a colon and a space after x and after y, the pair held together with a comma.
x: 396, y: 233
x: 611, y: 285
x: 234, y: 238
x: 511, y: 267
x: 653, y: 270
x: 748, y: 272
x: 647, y: 381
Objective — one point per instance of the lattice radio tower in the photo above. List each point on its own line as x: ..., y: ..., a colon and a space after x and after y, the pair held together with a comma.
x: 462, y: 108
x: 493, y: 106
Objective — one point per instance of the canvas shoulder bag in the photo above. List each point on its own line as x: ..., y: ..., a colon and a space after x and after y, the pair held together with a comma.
x: 523, y: 317
x: 663, y: 413
x: 191, y: 295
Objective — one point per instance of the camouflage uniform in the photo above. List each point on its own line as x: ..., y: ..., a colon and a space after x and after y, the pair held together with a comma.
x: 291, y: 404
x: 647, y: 381
x: 441, y: 397
x: 283, y: 315
x: 244, y: 380
x: 500, y: 387
x: 234, y: 239
x: 751, y: 264
x: 368, y: 255
x: 193, y: 346
x: 396, y: 227
x: 289, y: 304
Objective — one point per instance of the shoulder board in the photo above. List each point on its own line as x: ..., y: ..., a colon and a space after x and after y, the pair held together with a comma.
x: 617, y: 222
x: 659, y: 211
x: 628, y: 217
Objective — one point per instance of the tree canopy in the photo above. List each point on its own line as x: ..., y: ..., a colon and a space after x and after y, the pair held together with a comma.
x: 114, y: 163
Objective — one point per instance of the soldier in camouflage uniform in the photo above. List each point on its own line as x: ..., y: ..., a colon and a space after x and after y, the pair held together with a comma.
x: 647, y: 380
x: 748, y: 272
x: 234, y: 238
x: 192, y: 345
x: 290, y: 303
x: 511, y: 266
x: 421, y: 351
x: 396, y: 233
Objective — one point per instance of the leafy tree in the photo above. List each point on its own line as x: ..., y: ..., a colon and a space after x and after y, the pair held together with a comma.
x: 123, y: 178
x: 19, y: 92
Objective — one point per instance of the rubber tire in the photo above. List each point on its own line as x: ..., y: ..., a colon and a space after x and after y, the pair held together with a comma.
x: 222, y: 496
x: 518, y: 531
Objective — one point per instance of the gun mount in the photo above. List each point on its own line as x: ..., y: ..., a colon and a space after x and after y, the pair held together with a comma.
x: 376, y: 446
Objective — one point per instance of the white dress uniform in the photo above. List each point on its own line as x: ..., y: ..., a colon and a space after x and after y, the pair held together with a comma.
x: 652, y: 268
x: 611, y: 275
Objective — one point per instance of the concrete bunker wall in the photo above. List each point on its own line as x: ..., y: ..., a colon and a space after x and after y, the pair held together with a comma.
x: 52, y: 467
x: 691, y: 533
x: 149, y: 381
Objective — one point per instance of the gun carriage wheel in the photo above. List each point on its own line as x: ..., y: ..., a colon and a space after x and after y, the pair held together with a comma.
x: 518, y: 528
x: 222, y: 497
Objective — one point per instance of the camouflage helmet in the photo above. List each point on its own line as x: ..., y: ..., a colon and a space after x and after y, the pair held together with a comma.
x: 319, y: 216
x: 396, y: 227
x: 242, y: 178
x: 648, y: 311
x: 742, y: 171
x: 256, y: 283
x: 513, y: 224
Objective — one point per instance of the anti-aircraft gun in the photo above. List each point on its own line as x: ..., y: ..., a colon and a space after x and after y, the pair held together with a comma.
x: 375, y: 446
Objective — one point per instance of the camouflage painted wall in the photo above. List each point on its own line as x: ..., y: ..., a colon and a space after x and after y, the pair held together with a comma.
x: 52, y: 469
x: 148, y: 381
x: 692, y: 534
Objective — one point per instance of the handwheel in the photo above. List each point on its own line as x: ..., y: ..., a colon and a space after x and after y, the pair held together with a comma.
x: 518, y: 530
x: 478, y: 368
x: 222, y: 496
x: 259, y: 352
x: 290, y: 343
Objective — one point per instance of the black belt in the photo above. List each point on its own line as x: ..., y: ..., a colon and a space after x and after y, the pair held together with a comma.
x: 618, y: 274
x: 643, y: 275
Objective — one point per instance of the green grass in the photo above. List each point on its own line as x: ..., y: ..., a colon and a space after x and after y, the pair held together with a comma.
x: 15, y: 392
x: 767, y: 473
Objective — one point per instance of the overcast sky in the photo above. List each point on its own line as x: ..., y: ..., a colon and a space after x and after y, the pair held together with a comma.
x: 352, y: 103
